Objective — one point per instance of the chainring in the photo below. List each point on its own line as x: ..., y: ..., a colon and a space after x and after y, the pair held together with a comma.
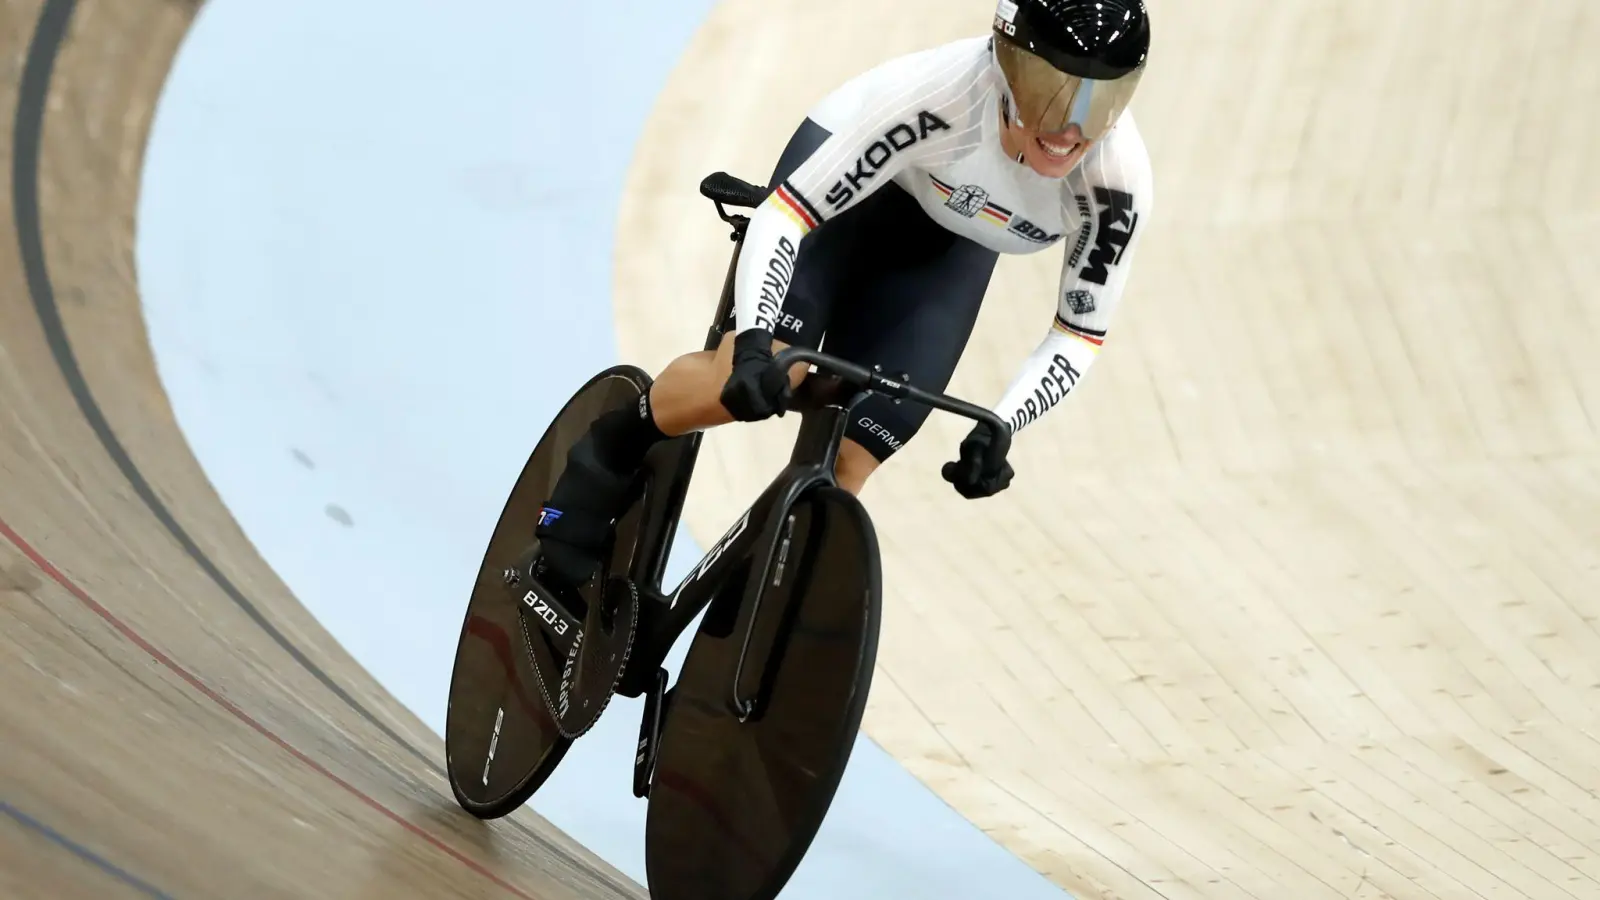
x: 585, y: 679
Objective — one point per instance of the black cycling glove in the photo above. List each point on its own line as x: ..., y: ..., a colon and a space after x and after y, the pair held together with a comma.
x: 969, y: 474
x: 756, y: 388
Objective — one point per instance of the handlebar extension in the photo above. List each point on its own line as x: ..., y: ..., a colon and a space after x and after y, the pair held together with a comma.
x: 863, y: 378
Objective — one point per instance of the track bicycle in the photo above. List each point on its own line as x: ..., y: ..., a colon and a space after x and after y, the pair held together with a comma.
x: 739, y: 759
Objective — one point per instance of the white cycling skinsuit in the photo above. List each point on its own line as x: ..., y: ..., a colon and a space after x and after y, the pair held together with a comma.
x: 928, y: 125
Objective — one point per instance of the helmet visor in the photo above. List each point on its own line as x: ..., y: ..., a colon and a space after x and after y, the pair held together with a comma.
x: 1049, y: 100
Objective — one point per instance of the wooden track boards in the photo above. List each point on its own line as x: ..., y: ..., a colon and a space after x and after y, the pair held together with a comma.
x: 173, y: 722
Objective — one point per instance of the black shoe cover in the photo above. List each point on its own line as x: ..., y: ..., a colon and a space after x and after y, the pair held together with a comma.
x: 576, y: 523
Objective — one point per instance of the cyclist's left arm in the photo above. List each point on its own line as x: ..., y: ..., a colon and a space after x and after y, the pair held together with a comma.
x: 1115, y: 185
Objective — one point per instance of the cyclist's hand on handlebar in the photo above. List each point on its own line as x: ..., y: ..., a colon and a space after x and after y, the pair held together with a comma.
x: 756, y: 388
x: 969, y: 473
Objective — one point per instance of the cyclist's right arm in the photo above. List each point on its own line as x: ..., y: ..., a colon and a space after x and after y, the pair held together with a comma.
x: 878, y: 123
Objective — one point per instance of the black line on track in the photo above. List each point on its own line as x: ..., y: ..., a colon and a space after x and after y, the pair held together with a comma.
x: 27, y: 139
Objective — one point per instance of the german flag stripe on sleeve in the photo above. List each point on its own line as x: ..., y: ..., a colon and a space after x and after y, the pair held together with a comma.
x: 1087, y: 335
x: 790, y: 201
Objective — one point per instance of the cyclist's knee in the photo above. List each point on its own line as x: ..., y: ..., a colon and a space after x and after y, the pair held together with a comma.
x: 797, y: 372
x: 854, y: 466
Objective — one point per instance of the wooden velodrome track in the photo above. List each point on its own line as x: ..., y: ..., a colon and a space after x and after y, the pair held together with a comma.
x: 1297, y: 596
x: 172, y: 722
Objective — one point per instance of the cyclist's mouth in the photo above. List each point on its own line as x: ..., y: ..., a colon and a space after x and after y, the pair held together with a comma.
x: 1059, y: 151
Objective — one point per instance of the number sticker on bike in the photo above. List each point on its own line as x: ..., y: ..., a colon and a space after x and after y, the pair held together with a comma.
x: 544, y: 611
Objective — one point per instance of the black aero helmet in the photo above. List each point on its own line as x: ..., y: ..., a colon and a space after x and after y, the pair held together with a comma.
x: 1071, y: 62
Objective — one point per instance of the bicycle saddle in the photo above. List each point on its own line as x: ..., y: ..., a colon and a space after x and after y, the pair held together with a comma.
x: 724, y: 188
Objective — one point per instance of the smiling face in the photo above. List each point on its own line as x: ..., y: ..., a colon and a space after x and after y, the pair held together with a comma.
x: 1050, y: 155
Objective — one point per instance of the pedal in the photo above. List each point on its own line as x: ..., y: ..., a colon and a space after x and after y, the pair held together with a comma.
x: 644, y: 759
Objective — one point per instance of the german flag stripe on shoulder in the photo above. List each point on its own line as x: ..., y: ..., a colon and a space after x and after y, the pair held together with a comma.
x: 790, y: 201
x: 1087, y: 335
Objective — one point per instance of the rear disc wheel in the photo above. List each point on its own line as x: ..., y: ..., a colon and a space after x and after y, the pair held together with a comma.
x: 501, y: 737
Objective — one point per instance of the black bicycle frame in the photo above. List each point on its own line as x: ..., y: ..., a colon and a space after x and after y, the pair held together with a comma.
x: 756, y: 534
x: 673, y: 466
x: 824, y: 404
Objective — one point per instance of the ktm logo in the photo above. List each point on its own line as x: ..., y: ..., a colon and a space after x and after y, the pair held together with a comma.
x: 1117, y: 222
x: 900, y: 137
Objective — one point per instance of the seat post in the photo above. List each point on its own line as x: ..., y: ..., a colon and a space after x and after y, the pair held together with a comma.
x: 725, y: 304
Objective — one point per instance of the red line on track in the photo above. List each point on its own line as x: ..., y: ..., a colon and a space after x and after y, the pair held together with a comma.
x: 167, y: 661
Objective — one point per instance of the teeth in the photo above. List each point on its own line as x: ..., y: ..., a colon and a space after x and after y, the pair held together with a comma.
x: 1057, y: 151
